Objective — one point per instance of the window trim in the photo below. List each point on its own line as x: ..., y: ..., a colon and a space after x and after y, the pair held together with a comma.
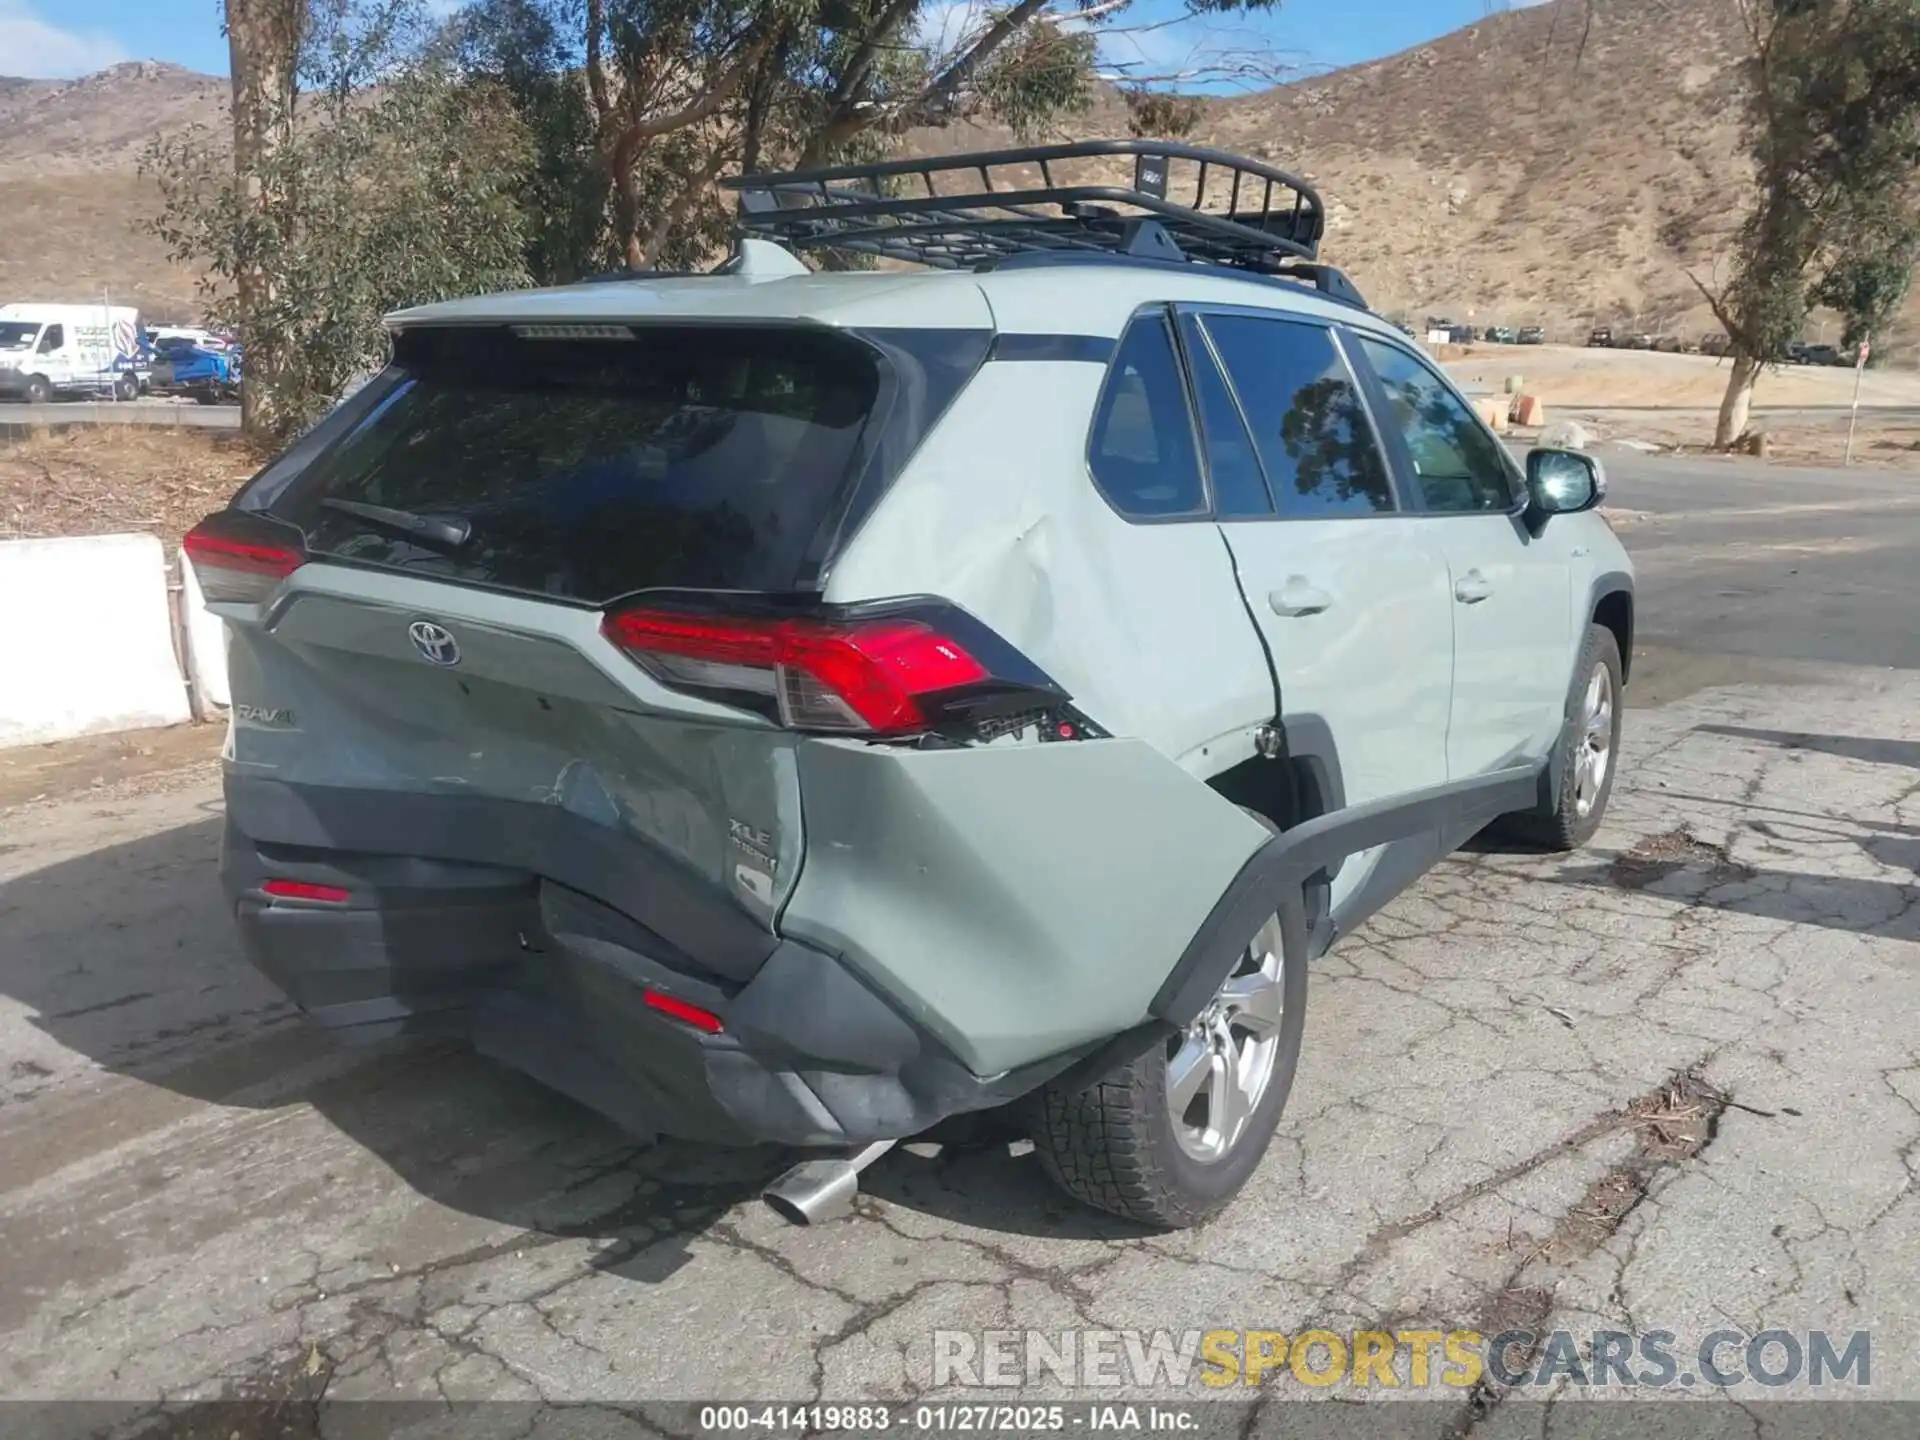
x: 1395, y: 484
x: 1164, y: 313
x: 1177, y: 315
x: 1396, y: 441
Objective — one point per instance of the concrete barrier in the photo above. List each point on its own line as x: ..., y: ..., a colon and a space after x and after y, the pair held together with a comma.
x: 86, y: 639
x: 204, y: 643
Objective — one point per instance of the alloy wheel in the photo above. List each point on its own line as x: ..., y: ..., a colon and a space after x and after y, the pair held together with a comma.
x: 1593, y: 744
x: 1220, y: 1067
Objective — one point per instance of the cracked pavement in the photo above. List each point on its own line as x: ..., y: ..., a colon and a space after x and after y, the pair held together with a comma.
x: 200, y: 1196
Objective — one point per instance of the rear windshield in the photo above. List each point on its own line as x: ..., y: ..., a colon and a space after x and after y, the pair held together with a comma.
x: 586, y: 468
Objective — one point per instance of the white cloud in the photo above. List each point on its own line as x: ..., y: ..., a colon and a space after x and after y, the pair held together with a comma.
x: 34, y: 48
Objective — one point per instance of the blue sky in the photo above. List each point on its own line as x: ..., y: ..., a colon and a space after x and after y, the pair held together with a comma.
x: 49, y: 38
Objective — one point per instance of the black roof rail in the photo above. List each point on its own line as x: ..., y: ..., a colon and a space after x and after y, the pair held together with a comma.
x: 952, y: 211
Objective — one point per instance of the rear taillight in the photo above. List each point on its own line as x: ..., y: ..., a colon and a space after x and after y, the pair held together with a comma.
x: 901, y: 671
x: 240, y: 557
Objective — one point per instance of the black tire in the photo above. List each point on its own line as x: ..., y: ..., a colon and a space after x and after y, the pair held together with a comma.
x: 39, y: 391
x: 205, y: 397
x: 126, y: 388
x: 1559, y: 823
x: 1111, y: 1144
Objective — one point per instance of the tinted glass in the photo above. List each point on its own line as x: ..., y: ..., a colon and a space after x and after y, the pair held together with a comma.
x: 698, y: 457
x: 1461, y: 467
x: 55, y: 337
x: 1143, y: 453
x: 1307, y: 417
x: 1239, y: 487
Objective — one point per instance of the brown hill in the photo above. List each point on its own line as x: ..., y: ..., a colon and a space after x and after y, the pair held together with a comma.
x: 1525, y: 169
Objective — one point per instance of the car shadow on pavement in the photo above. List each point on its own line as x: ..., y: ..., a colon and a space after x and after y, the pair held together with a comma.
x: 1851, y: 747
x: 127, y: 956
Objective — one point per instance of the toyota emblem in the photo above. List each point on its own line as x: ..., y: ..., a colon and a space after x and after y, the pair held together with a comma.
x: 434, y: 642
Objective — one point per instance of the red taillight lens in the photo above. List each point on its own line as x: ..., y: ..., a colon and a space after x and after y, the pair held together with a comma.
x: 239, y: 558
x: 683, y: 1012
x: 306, y: 890
x: 864, y: 676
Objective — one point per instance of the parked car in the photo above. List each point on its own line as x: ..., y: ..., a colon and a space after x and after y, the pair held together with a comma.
x: 1532, y: 335
x: 1669, y: 345
x: 1500, y: 335
x: 1715, y: 342
x: 1462, y: 335
x: 1823, y: 355
x: 182, y: 367
x: 601, y: 699
x: 1638, y: 340
x: 1600, y: 335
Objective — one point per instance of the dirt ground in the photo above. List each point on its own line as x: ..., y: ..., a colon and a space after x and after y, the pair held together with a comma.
x: 1573, y: 377
x: 116, y: 479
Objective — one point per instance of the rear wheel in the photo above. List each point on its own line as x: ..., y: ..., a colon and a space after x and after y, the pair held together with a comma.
x: 1170, y: 1137
x: 126, y: 388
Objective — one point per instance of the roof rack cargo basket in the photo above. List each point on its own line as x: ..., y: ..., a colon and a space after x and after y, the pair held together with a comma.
x: 970, y: 212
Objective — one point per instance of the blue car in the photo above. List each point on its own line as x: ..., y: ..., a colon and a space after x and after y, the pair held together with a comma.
x: 181, y: 367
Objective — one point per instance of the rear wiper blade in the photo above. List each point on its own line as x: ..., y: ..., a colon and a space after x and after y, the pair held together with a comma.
x: 434, y: 529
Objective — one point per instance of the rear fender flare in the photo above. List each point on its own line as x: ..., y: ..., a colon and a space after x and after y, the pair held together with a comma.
x: 1274, y: 877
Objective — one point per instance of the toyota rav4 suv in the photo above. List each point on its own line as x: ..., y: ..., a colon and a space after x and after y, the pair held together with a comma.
x: 778, y: 706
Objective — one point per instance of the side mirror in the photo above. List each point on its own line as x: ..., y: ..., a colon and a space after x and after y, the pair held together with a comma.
x: 1562, y: 482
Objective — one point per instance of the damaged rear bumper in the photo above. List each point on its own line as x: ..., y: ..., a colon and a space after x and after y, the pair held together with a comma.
x: 552, y: 983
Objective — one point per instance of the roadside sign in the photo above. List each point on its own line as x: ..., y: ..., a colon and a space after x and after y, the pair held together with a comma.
x: 1859, y: 374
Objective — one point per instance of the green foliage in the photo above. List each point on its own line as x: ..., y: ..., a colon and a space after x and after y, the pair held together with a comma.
x: 1835, y: 133
x: 1158, y: 115
x: 385, y: 196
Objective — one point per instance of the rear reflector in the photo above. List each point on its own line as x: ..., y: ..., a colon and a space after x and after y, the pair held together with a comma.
x: 306, y: 890
x: 860, y: 676
x: 680, y: 1010
x: 241, y: 558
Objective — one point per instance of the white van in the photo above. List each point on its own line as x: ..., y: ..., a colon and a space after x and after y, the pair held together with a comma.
x: 52, y: 350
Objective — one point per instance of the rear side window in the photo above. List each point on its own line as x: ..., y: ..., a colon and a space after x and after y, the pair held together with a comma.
x: 699, y: 457
x: 1239, y: 486
x: 1308, y: 421
x: 1143, y: 454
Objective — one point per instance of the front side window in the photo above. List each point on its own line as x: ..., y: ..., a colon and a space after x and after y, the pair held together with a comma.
x: 55, y: 337
x: 1143, y: 454
x: 1308, y: 419
x: 1460, y: 466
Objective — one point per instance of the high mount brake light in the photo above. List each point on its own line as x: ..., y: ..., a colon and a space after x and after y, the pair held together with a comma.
x: 240, y: 558
x: 857, y: 676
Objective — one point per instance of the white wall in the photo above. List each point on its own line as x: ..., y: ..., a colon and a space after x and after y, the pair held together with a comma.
x: 205, y: 644
x: 86, y: 639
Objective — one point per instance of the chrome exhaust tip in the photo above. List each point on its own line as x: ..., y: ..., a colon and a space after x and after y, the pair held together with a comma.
x: 816, y: 1191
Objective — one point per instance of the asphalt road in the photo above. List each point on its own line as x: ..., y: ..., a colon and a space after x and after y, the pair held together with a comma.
x: 1769, y: 563
x: 1669, y: 1084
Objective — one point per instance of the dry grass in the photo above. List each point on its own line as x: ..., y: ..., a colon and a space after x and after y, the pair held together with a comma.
x: 116, y: 479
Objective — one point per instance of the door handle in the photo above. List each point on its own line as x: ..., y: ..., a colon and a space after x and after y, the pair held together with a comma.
x: 1472, y: 587
x: 1297, y: 597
